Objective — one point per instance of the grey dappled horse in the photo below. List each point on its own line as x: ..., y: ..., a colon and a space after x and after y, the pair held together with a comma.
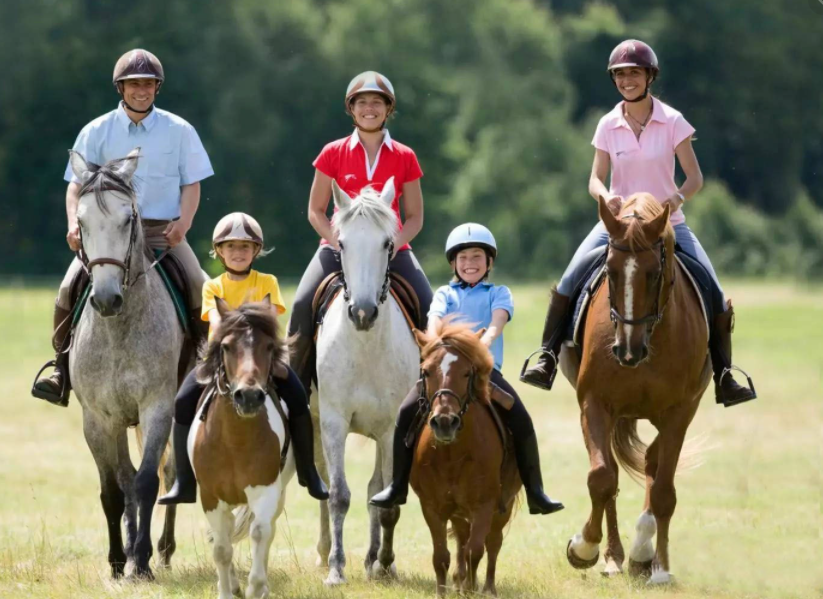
x: 123, y: 361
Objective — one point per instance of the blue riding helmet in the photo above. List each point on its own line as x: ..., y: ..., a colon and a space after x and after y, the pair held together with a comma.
x: 470, y: 235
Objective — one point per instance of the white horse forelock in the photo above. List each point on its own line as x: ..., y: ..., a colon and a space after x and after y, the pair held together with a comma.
x: 368, y: 205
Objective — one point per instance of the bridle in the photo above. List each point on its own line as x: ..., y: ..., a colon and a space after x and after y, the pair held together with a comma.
x: 656, y: 315
x: 384, y: 290
x: 463, y: 401
x: 125, y: 264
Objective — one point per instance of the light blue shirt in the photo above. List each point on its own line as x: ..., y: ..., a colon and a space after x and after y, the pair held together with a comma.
x: 475, y: 305
x: 171, y: 155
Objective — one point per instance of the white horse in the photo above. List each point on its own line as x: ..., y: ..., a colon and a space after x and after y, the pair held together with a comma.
x: 366, y: 365
x: 123, y: 361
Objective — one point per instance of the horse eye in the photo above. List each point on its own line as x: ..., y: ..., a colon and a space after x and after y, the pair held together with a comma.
x: 387, y: 245
x: 340, y: 244
x: 270, y: 347
x: 225, y: 347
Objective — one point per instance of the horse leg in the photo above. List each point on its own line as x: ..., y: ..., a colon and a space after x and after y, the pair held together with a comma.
x: 440, y: 553
x: 334, y: 431
x: 221, y: 521
x: 614, y: 555
x: 584, y: 548
x: 125, y: 478
x: 167, y: 544
x: 663, y: 496
x: 147, y: 483
x: 104, y: 451
x: 494, y: 541
x: 324, y: 542
x: 264, y: 505
x: 475, y: 548
x: 375, y: 486
x: 388, y: 517
x: 642, y: 551
x: 462, y: 532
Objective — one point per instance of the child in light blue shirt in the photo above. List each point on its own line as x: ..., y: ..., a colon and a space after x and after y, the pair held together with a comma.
x: 470, y: 297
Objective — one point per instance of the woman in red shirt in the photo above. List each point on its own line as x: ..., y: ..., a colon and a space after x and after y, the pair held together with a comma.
x: 369, y: 156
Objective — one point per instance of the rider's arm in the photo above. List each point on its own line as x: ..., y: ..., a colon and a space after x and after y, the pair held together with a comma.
x: 434, y: 323
x: 691, y: 168
x: 72, y: 199
x: 214, y: 318
x: 597, y: 180
x: 500, y: 318
x: 189, y: 201
x: 413, y: 209
x: 318, y: 204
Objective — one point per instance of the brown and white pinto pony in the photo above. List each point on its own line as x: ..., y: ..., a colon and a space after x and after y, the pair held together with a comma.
x: 461, y: 471
x: 235, y: 448
x: 644, y: 355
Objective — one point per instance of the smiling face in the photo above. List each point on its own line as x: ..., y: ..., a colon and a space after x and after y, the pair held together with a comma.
x: 631, y: 82
x: 369, y: 111
x: 471, y: 265
x: 237, y: 255
x: 140, y: 93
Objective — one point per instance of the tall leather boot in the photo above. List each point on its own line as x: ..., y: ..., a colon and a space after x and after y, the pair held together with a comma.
x: 56, y: 387
x: 542, y: 374
x: 302, y: 438
x: 301, y: 359
x: 727, y: 391
x: 184, y: 489
x: 528, y: 463
x: 398, y: 490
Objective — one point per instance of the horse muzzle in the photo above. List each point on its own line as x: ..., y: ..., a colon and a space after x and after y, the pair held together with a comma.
x: 445, y: 427
x: 248, y: 401
x: 630, y: 357
x: 107, y: 303
x: 363, y: 315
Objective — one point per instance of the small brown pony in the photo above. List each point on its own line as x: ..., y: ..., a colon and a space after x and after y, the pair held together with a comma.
x: 236, y: 442
x: 461, y: 471
x: 644, y: 355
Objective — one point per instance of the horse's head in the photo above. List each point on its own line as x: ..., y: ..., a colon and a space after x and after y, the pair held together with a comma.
x: 109, y: 227
x: 457, y: 366
x: 366, y: 227
x: 639, y: 262
x: 242, y: 354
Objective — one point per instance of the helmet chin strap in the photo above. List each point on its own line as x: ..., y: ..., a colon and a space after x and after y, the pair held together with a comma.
x: 230, y: 270
x: 641, y: 97
x: 149, y: 109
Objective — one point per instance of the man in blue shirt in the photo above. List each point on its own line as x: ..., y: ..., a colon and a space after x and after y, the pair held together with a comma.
x: 172, y: 163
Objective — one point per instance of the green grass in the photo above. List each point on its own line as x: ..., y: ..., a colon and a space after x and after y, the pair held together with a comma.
x: 748, y: 522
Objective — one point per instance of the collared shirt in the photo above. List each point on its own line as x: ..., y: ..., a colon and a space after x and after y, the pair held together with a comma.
x: 171, y: 155
x: 647, y: 164
x: 347, y: 162
x: 474, y: 305
x: 253, y: 288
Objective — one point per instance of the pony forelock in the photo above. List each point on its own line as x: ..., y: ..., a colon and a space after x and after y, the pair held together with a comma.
x: 370, y: 206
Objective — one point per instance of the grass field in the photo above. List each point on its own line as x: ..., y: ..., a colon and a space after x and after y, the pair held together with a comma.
x: 748, y: 522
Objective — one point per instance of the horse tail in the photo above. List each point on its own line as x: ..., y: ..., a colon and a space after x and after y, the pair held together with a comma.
x: 629, y: 448
x: 242, y: 523
x: 164, y: 459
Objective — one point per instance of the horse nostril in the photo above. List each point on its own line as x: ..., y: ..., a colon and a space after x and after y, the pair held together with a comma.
x: 616, y: 350
x: 117, y: 303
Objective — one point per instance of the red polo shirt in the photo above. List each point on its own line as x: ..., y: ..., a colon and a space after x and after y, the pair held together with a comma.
x: 345, y: 160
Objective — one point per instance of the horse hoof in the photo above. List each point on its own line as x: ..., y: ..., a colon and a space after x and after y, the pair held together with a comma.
x: 612, y: 569
x: 640, y: 569
x: 660, y: 577
x: 578, y: 563
x: 379, y: 572
x: 141, y: 575
x: 321, y: 563
x: 334, y: 579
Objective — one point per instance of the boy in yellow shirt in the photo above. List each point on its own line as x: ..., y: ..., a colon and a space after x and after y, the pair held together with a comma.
x: 237, y: 241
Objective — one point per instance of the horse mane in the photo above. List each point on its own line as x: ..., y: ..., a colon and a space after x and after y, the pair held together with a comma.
x: 256, y: 316
x: 644, y: 208
x: 368, y: 205
x: 463, y: 339
x: 106, y: 178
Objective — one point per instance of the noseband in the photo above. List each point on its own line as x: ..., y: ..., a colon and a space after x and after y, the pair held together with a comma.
x: 124, y: 264
x: 463, y: 401
x: 384, y: 291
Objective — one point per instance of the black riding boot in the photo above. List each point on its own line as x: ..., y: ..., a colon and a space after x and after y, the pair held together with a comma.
x: 727, y: 391
x: 528, y: 463
x: 55, y: 388
x: 185, y: 485
x: 301, y: 360
x: 302, y: 438
x: 542, y: 374
x: 398, y: 490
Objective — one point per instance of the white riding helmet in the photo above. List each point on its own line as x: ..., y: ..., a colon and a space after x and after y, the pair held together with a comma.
x: 470, y: 235
x: 370, y: 82
x: 237, y: 226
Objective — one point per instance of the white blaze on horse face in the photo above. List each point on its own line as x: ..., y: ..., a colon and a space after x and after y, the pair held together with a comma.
x: 364, y: 261
x: 629, y: 270
x: 446, y: 364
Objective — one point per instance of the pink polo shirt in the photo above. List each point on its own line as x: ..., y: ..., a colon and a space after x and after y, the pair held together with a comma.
x: 647, y: 164
x: 347, y: 162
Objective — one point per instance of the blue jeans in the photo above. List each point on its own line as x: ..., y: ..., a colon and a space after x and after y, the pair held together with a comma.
x: 599, y: 237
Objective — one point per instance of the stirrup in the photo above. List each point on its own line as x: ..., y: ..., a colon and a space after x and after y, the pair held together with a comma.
x: 727, y: 370
x: 58, y: 400
x: 542, y: 351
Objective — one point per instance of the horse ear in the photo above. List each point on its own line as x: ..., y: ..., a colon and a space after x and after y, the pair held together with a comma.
x: 267, y: 300
x: 419, y: 337
x: 222, y: 306
x: 607, y: 216
x: 479, y: 334
x: 79, y: 166
x: 128, y: 165
x: 341, y: 198
x: 387, y: 195
x: 657, y: 225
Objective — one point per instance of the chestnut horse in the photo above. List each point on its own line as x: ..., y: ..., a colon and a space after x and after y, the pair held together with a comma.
x: 644, y: 355
x: 461, y: 471
x: 236, y: 442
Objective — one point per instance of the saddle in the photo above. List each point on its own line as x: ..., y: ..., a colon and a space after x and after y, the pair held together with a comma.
x: 711, y: 302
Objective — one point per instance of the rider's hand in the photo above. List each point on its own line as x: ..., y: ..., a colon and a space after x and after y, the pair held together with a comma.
x: 73, y: 237
x: 675, y: 202
x: 334, y: 241
x: 175, y: 232
x: 614, y: 203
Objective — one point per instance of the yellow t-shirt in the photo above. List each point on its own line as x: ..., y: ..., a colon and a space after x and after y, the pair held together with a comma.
x: 236, y: 293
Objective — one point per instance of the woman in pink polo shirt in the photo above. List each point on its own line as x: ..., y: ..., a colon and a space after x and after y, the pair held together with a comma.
x: 638, y: 141
x: 369, y: 156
